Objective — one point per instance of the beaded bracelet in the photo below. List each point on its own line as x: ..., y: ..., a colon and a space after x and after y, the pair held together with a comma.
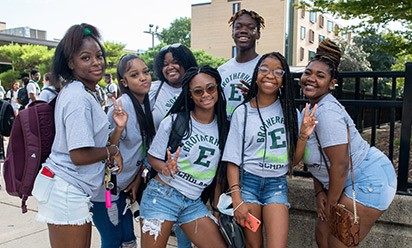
x: 117, y: 152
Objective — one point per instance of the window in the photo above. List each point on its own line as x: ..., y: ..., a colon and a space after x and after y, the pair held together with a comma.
x: 236, y: 7
x: 330, y: 26
x: 321, y: 21
x: 302, y: 13
x: 233, y: 51
x: 311, y: 36
x: 312, y: 17
x: 321, y: 38
x: 302, y: 32
x: 311, y: 55
x: 302, y: 54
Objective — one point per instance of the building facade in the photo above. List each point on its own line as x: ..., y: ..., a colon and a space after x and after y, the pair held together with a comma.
x: 294, y: 32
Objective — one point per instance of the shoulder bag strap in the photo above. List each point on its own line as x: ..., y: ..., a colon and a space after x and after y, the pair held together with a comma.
x: 158, y: 91
x: 352, y: 174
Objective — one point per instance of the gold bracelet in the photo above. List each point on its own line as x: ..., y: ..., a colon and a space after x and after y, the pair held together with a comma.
x: 303, y: 138
x: 108, y: 154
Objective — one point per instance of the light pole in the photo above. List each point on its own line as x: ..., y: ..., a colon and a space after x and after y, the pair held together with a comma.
x: 152, y: 32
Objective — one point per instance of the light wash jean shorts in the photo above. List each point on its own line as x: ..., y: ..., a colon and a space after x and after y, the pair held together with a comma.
x: 59, y: 202
x: 264, y: 190
x: 375, y: 181
x: 161, y: 202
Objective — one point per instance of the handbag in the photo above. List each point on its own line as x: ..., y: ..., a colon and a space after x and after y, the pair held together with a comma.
x: 231, y: 231
x: 343, y: 224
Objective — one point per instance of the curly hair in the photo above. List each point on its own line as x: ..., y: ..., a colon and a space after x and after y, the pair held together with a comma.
x: 286, y: 98
x: 260, y: 22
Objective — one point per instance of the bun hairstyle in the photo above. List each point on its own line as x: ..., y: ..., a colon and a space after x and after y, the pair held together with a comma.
x: 329, y: 53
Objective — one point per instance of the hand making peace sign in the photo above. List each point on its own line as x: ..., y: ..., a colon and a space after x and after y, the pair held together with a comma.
x: 171, y: 163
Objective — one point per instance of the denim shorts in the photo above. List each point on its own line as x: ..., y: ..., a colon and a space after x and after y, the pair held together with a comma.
x: 375, y: 181
x: 59, y: 202
x: 264, y: 190
x: 161, y: 202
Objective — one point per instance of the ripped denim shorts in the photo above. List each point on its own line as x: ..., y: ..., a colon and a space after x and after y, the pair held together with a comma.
x: 161, y: 202
x: 264, y: 190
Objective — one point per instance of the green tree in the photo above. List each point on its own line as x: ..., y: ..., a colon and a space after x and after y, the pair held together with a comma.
x: 204, y: 58
x: 400, y: 66
x: 179, y: 32
x: 374, y: 15
x: 380, y: 60
x: 114, y: 51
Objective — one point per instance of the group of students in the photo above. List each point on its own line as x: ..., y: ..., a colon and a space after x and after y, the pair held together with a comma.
x: 245, y: 145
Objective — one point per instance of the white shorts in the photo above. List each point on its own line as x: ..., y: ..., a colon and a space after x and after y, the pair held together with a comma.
x: 59, y: 202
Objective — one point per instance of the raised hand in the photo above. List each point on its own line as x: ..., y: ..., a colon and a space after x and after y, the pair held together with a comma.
x: 308, y: 122
x: 119, y: 115
x: 171, y: 163
x: 244, y: 89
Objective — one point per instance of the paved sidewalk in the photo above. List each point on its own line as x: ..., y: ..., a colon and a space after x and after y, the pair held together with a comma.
x: 21, y: 230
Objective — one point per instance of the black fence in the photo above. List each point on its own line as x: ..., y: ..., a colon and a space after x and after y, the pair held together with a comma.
x: 373, y: 99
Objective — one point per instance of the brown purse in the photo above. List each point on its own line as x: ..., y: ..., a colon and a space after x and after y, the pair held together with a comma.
x: 343, y: 224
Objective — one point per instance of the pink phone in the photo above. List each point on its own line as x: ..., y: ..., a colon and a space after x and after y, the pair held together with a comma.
x: 255, y: 223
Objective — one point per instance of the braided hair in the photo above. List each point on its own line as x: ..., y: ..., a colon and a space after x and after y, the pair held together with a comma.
x: 260, y: 22
x: 329, y: 53
x: 287, y: 102
x: 144, y: 118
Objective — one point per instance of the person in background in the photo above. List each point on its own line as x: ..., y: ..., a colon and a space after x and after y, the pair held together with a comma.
x: 173, y: 196
x: 374, y: 175
x: 74, y: 171
x: 33, y: 88
x: 49, y: 89
x: 111, y: 91
x: 11, y: 95
x: 22, y: 96
x: 115, y: 224
x: 170, y: 65
x: 2, y: 91
x: 246, y: 27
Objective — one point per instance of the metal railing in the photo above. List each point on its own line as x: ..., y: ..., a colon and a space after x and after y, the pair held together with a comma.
x: 370, y: 106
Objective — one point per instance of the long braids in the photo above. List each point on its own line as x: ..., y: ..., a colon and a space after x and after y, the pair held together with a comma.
x: 286, y: 98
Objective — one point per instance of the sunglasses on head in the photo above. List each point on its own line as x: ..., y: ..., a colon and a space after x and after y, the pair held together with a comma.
x: 176, y: 45
x: 210, y: 89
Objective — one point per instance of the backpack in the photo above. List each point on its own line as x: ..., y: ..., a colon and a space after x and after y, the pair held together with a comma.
x: 29, y: 146
x: 22, y: 96
x: 6, y: 117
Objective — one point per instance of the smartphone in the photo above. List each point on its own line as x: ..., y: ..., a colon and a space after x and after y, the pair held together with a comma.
x: 254, y: 221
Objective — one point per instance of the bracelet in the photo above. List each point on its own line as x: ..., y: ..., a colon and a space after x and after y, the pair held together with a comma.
x: 240, y: 204
x: 234, y: 185
x: 117, y: 152
x: 108, y: 154
x: 303, y: 138
x: 234, y: 190
x: 317, y: 193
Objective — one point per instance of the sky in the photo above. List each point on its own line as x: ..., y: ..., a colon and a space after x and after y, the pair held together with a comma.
x: 121, y: 21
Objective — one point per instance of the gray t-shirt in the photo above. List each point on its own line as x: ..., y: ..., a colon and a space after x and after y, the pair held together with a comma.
x: 331, y: 129
x: 80, y: 122
x: 131, y: 147
x: 198, y: 158
x: 272, y: 164
x: 164, y: 101
x: 232, y: 72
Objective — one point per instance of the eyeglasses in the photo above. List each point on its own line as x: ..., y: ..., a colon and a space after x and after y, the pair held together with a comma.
x: 176, y: 45
x: 210, y: 89
x: 276, y: 72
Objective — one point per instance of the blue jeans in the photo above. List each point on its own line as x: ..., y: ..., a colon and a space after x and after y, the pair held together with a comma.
x: 114, y: 227
x: 264, y: 190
